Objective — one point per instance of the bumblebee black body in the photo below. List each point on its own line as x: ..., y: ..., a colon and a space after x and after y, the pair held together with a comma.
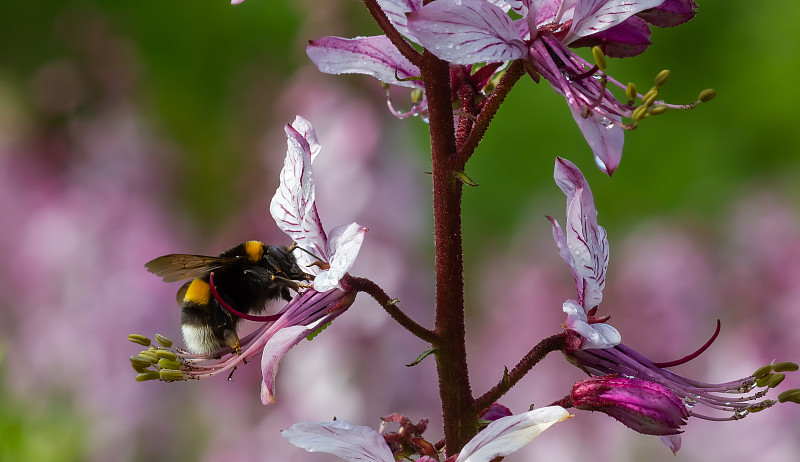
x: 246, y: 277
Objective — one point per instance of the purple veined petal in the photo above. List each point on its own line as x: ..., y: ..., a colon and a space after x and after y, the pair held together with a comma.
x: 563, y: 251
x: 236, y: 2
x: 597, y: 335
x: 604, y: 137
x: 629, y: 38
x: 306, y: 130
x: 589, y: 255
x: 374, y: 56
x: 593, y: 16
x: 673, y: 442
x: 293, y: 206
x: 553, y: 11
x: 343, y: 246
x: 274, y: 350
x: 670, y: 13
x: 349, y: 442
x: 396, y: 13
x: 584, y: 240
x: 507, y: 435
x: 467, y: 31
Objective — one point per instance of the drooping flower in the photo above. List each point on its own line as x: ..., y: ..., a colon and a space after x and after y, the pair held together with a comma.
x: 584, y: 247
x: 646, y: 407
x: 294, y: 209
x: 641, y: 393
x: 477, y: 31
x: 500, y: 438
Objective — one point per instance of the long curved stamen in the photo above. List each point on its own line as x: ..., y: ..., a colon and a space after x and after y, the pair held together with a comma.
x: 231, y: 310
x: 697, y: 353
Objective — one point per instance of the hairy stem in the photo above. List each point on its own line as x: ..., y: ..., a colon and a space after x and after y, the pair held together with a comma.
x: 490, y: 107
x: 557, y: 342
x: 390, y: 305
x: 460, y: 419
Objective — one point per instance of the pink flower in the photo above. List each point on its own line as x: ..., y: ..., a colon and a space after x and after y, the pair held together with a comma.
x: 476, y: 31
x: 584, y: 247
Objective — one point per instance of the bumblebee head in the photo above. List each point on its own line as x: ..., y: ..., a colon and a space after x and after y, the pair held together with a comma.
x: 280, y: 260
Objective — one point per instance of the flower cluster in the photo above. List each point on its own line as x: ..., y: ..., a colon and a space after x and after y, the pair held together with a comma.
x: 642, y: 394
x: 294, y: 209
x: 481, y: 36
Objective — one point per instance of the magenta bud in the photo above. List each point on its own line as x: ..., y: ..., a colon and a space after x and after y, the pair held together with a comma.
x: 494, y: 412
x: 646, y: 407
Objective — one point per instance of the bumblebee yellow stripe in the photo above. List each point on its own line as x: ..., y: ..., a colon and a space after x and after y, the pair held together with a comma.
x: 198, y: 292
x: 254, y: 250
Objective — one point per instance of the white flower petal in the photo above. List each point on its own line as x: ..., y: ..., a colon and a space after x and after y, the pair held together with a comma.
x: 374, y: 56
x: 396, y: 10
x: 597, y: 335
x: 274, y: 350
x: 343, y: 247
x: 349, y: 442
x: 306, y: 130
x: 604, y: 137
x: 593, y: 16
x: 293, y: 206
x: 467, y: 31
x: 508, y: 434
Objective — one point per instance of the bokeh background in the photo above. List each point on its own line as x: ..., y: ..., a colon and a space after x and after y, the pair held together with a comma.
x: 132, y: 129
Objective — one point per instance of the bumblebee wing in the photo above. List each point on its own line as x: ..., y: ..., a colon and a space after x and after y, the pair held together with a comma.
x: 182, y: 293
x: 176, y: 267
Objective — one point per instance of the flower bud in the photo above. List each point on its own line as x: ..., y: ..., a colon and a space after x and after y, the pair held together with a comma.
x: 646, y: 407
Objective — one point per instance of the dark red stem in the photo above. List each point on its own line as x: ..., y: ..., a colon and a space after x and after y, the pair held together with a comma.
x: 558, y: 342
x: 489, y: 109
x: 460, y: 418
x: 390, y: 305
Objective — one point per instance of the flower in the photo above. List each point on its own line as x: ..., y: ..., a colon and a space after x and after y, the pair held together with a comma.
x: 641, y: 393
x: 646, y: 407
x: 475, y: 31
x: 294, y: 209
x: 358, y: 443
x: 584, y: 247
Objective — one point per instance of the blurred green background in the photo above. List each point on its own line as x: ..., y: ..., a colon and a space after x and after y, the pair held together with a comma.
x: 209, y: 86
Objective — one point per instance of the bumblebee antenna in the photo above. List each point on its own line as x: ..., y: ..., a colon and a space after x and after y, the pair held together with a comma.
x: 295, y: 246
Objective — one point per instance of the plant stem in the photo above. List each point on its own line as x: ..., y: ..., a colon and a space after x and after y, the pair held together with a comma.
x: 390, y: 305
x: 460, y: 419
x: 558, y: 342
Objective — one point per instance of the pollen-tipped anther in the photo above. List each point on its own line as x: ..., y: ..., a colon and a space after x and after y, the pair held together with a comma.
x: 785, y: 366
x: 149, y: 375
x: 163, y: 341
x: 662, y: 78
x: 792, y: 395
x: 169, y: 375
x: 140, y: 339
x: 168, y: 364
x: 599, y: 58
x: 707, y: 95
x: 149, y: 356
x: 630, y: 90
x: 166, y: 354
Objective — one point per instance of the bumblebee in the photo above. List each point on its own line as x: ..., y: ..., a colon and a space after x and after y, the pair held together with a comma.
x: 246, y: 277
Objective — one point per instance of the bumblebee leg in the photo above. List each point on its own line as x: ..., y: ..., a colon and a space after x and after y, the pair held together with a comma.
x: 232, y: 340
